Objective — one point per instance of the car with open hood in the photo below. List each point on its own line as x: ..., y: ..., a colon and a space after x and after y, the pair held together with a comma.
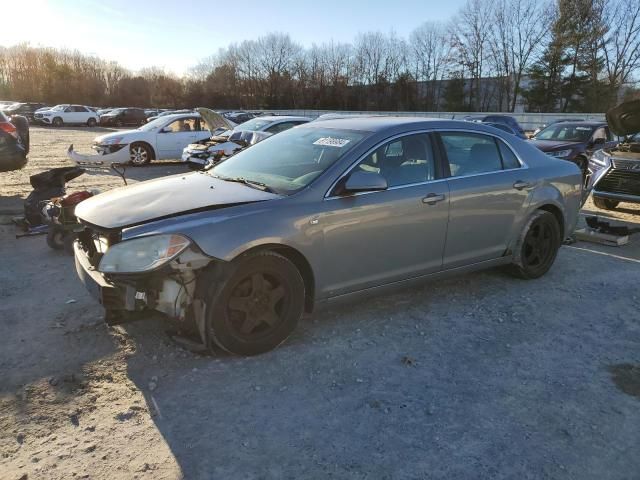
x: 574, y: 141
x: 200, y: 154
x: 164, y: 138
x: 320, y: 213
x: 614, y: 173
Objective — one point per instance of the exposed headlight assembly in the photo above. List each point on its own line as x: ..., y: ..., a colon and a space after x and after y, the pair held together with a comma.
x: 142, y: 254
x: 112, y: 141
x: 560, y: 154
x: 600, y: 159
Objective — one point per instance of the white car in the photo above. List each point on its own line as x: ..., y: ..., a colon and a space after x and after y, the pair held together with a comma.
x: 160, y: 139
x: 199, y: 153
x: 66, y: 114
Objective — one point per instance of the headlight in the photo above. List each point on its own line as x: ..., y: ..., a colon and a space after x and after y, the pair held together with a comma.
x: 112, y: 141
x: 560, y: 154
x: 600, y: 159
x: 142, y: 254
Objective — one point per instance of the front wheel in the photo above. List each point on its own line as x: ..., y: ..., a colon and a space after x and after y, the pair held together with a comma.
x: 139, y: 154
x: 605, y: 203
x: 538, y: 246
x: 57, y: 122
x: 257, y: 306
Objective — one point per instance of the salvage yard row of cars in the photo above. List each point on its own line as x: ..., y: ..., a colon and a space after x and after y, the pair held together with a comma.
x: 288, y: 215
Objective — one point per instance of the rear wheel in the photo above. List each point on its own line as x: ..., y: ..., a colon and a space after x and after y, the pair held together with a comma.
x: 91, y: 122
x: 57, y: 122
x: 139, y: 154
x: 55, y: 238
x: 605, y: 203
x: 257, y: 306
x: 538, y: 246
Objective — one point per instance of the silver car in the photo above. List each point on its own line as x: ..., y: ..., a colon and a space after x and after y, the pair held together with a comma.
x: 322, y: 212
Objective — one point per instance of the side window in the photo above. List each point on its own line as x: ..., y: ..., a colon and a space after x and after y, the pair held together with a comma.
x: 509, y: 159
x: 403, y: 161
x: 79, y: 108
x: 182, y: 125
x: 599, y: 133
x: 69, y: 109
x: 471, y: 153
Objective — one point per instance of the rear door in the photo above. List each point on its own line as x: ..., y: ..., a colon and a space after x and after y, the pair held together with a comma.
x: 489, y: 189
x: 378, y: 237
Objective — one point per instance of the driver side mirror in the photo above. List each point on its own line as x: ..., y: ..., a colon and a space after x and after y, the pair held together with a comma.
x: 166, y: 130
x: 365, y: 182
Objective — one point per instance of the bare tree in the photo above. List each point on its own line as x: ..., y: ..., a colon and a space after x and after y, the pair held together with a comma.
x: 430, y: 57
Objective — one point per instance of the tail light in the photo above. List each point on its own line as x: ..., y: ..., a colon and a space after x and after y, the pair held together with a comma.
x: 9, y: 128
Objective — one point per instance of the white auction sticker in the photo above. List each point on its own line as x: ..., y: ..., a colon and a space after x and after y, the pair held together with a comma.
x: 331, y: 142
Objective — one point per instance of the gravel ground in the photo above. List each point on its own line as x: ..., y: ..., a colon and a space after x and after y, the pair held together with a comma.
x: 481, y: 376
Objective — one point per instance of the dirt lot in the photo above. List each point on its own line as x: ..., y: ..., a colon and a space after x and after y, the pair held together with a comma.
x: 481, y: 376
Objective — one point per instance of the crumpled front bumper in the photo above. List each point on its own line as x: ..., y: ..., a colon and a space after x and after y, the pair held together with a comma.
x: 120, y: 156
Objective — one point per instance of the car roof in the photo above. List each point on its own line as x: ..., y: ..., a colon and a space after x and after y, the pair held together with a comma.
x: 587, y: 123
x: 277, y: 118
x: 375, y: 123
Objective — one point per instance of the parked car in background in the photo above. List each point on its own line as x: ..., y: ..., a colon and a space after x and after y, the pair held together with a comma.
x: 103, y: 111
x: 26, y: 109
x: 160, y: 139
x: 238, y: 117
x: 66, y: 114
x: 574, y: 141
x: 119, y: 117
x: 319, y: 213
x: 505, y: 119
x: 614, y: 173
x: 14, y: 142
x: 502, y: 126
x: 198, y: 154
x: 168, y: 112
x: 6, y: 103
x: 559, y: 120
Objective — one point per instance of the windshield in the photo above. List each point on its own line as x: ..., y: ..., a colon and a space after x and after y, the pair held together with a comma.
x: 566, y: 133
x: 157, y: 123
x: 59, y: 108
x: 117, y: 110
x: 290, y: 160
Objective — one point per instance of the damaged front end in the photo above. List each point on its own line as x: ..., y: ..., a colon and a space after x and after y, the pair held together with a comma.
x: 106, y: 154
x: 136, y: 277
x: 211, y: 151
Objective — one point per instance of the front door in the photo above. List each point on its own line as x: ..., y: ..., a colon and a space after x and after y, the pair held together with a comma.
x: 375, y: 238
x: 489, y: 189
x: 172, y: 139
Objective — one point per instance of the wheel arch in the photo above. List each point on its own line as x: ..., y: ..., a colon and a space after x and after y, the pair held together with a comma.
x: 299, y: 261
x: 556, y: 212
x: 148, y: 145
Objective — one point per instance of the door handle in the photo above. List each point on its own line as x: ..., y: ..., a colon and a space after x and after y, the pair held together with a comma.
x: 433, y: 198
x: 520, y: 185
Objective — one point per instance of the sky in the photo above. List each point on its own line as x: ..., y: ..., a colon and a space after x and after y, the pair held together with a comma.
x: 176, y: 34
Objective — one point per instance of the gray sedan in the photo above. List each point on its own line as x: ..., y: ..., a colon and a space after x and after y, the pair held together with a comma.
x: 326, y: 211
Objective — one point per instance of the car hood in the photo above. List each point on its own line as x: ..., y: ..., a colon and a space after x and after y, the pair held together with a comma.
x: 551, y: 145
x: 125, y: 134
x: 165, y: 197
x: 214, y: 120
x: 625, y: 118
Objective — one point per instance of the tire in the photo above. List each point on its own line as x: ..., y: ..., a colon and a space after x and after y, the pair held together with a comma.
x: 55, y: 237
x: 605, y: 203
x: 256, y: 306
x: 139, y: 154
x: 22, y: 125
x: 57, y: 122
x: 537, y: 246
x: 91, y: 122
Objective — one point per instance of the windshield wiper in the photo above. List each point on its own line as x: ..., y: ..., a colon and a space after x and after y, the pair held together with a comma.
x: 251, y: 183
